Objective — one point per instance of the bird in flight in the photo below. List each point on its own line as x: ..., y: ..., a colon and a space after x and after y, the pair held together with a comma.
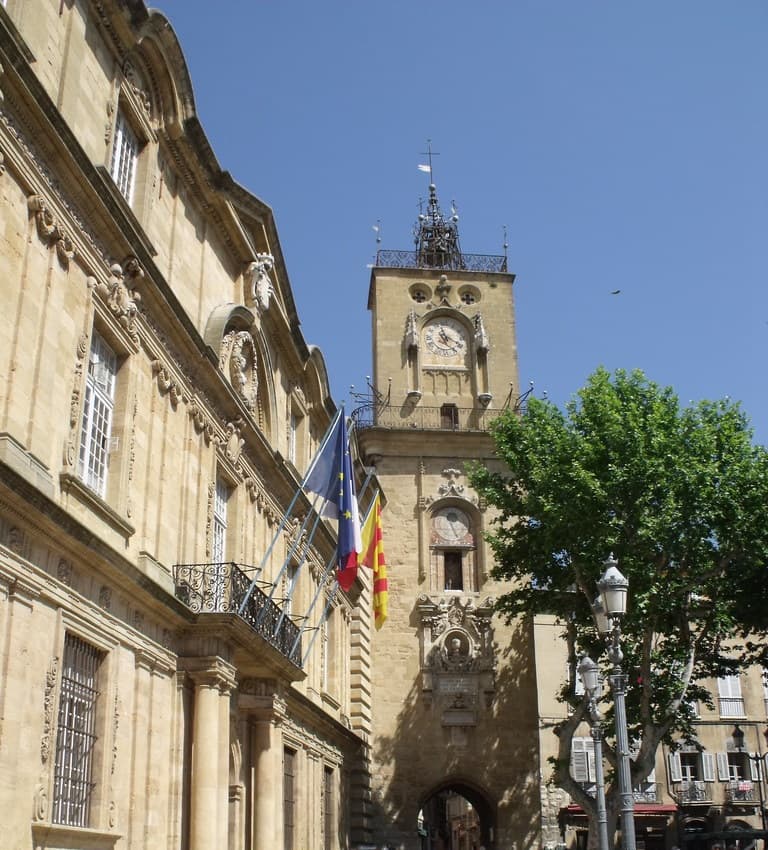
x: 615, y: 291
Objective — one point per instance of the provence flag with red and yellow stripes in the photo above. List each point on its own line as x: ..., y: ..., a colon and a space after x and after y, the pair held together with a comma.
x: 372, y: 555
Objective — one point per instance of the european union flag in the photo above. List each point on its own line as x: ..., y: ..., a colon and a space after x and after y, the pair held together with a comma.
x: 331, y: 477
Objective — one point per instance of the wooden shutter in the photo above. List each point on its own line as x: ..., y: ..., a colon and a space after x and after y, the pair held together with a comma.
x: 754, y: 770
x: 708, y: 767
x: 675, y: 768
x: 723, y: 774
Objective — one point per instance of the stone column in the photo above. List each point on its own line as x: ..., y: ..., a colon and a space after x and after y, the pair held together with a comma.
x: 262, y: 702
x: 209, y: 793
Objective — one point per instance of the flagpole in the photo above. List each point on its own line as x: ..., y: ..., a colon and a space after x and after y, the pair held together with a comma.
x: 287, y: 514
x: 326, y: 571
x: 319, y: 625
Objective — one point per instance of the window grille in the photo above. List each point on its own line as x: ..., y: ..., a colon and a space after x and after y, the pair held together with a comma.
x: 125, y: 155
x: 76, y: 736
x: 98, y: 408
x: 289, y: 795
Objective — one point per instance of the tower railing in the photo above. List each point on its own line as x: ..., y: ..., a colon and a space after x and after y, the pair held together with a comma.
x: 445, y: 418
x: 436, y: 260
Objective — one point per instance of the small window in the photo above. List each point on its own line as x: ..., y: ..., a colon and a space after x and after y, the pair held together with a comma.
x: 98, y: 409
x: 328, y: 807
x: 453, y: 563
x: 125, y: 157
x: 289, y: 796
x: 76, y: 734
x: 468, y: 297
x: 449, y: 417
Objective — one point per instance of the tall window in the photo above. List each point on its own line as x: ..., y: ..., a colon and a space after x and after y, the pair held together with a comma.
x: 731, y: 700
x: 293, y: 427
x: 76, y: 736
x: 328, y: 808
x: 125, y: 156
x: 289, y: 796
x: 219, y: 542
x: 98, y: 409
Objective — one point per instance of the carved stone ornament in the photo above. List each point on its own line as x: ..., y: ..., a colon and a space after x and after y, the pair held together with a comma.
x: 411, y: 332
x: 200, y: 421
x: 482, y: 343
x: 258, y: 286
x: 237, y: 355
x: 233, y: 441
x: 136, y: 84
x: 49, y: 700
x: 51, y: 231
x: 452, y: 486
x: 443, y: 288
x: 166, y: 382
x: 121, y: 300
x: 458, y: 660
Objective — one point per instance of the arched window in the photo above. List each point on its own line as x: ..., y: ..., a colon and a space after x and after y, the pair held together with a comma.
x: 452, y: 551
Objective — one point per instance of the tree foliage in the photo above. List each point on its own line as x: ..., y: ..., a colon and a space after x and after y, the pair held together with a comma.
x: 680, y: 496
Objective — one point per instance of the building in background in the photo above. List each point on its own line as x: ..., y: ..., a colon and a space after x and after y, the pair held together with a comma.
x: 164, y: 682
x: 707, y: 796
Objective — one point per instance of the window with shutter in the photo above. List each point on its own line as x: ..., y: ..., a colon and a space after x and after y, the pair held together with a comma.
x: 723, y: 774
x: 708, y: 767
x: 675, y: 768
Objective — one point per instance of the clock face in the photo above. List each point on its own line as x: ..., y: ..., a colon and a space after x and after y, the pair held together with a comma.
x: 452, y: 526
x: 446, y: 338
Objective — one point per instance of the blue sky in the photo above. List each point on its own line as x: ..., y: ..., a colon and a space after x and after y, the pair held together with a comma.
x: 623, y: 145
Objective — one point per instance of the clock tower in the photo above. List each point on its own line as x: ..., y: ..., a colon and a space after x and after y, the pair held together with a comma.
x: 454, y: 720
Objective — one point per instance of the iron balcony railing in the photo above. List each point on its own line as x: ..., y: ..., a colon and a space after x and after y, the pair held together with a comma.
x: 441, y: 260
x: 732, y: 707
x: 647, y: 792
x: 446, y: 418
x: 741, y: 791
x: 695, y: 791
x: 221, y: 589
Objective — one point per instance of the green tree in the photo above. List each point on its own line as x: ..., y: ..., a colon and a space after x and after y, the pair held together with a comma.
x: 680, y: 495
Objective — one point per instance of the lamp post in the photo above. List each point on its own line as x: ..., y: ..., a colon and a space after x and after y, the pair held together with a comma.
x: 590, y: 675
x: 613, y: 588
x: 757, y: 758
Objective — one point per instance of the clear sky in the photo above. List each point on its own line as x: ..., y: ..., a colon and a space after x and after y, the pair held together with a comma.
x: 623, y: 144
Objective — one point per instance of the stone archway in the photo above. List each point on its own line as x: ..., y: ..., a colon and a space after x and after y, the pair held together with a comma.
x: 456, y: 815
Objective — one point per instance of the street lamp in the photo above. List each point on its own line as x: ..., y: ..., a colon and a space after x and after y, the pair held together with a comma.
x: 757, y: 758
x: 590, y: 676
x: 613, y: 588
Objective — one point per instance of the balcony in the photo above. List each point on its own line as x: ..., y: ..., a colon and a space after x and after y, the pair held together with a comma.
x: 741, y: 791
x: 647, y: 792
x: 732, y: 707
x: 445, y: 418
x: 221, y: 589
x: 695, y: 791
x: 439, y: 260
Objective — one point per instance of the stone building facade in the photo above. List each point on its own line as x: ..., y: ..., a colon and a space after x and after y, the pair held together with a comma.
x: 159, y: 407
x: 454, y: 688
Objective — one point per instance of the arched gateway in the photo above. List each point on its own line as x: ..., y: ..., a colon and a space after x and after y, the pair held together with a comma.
x: 456, y: 815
